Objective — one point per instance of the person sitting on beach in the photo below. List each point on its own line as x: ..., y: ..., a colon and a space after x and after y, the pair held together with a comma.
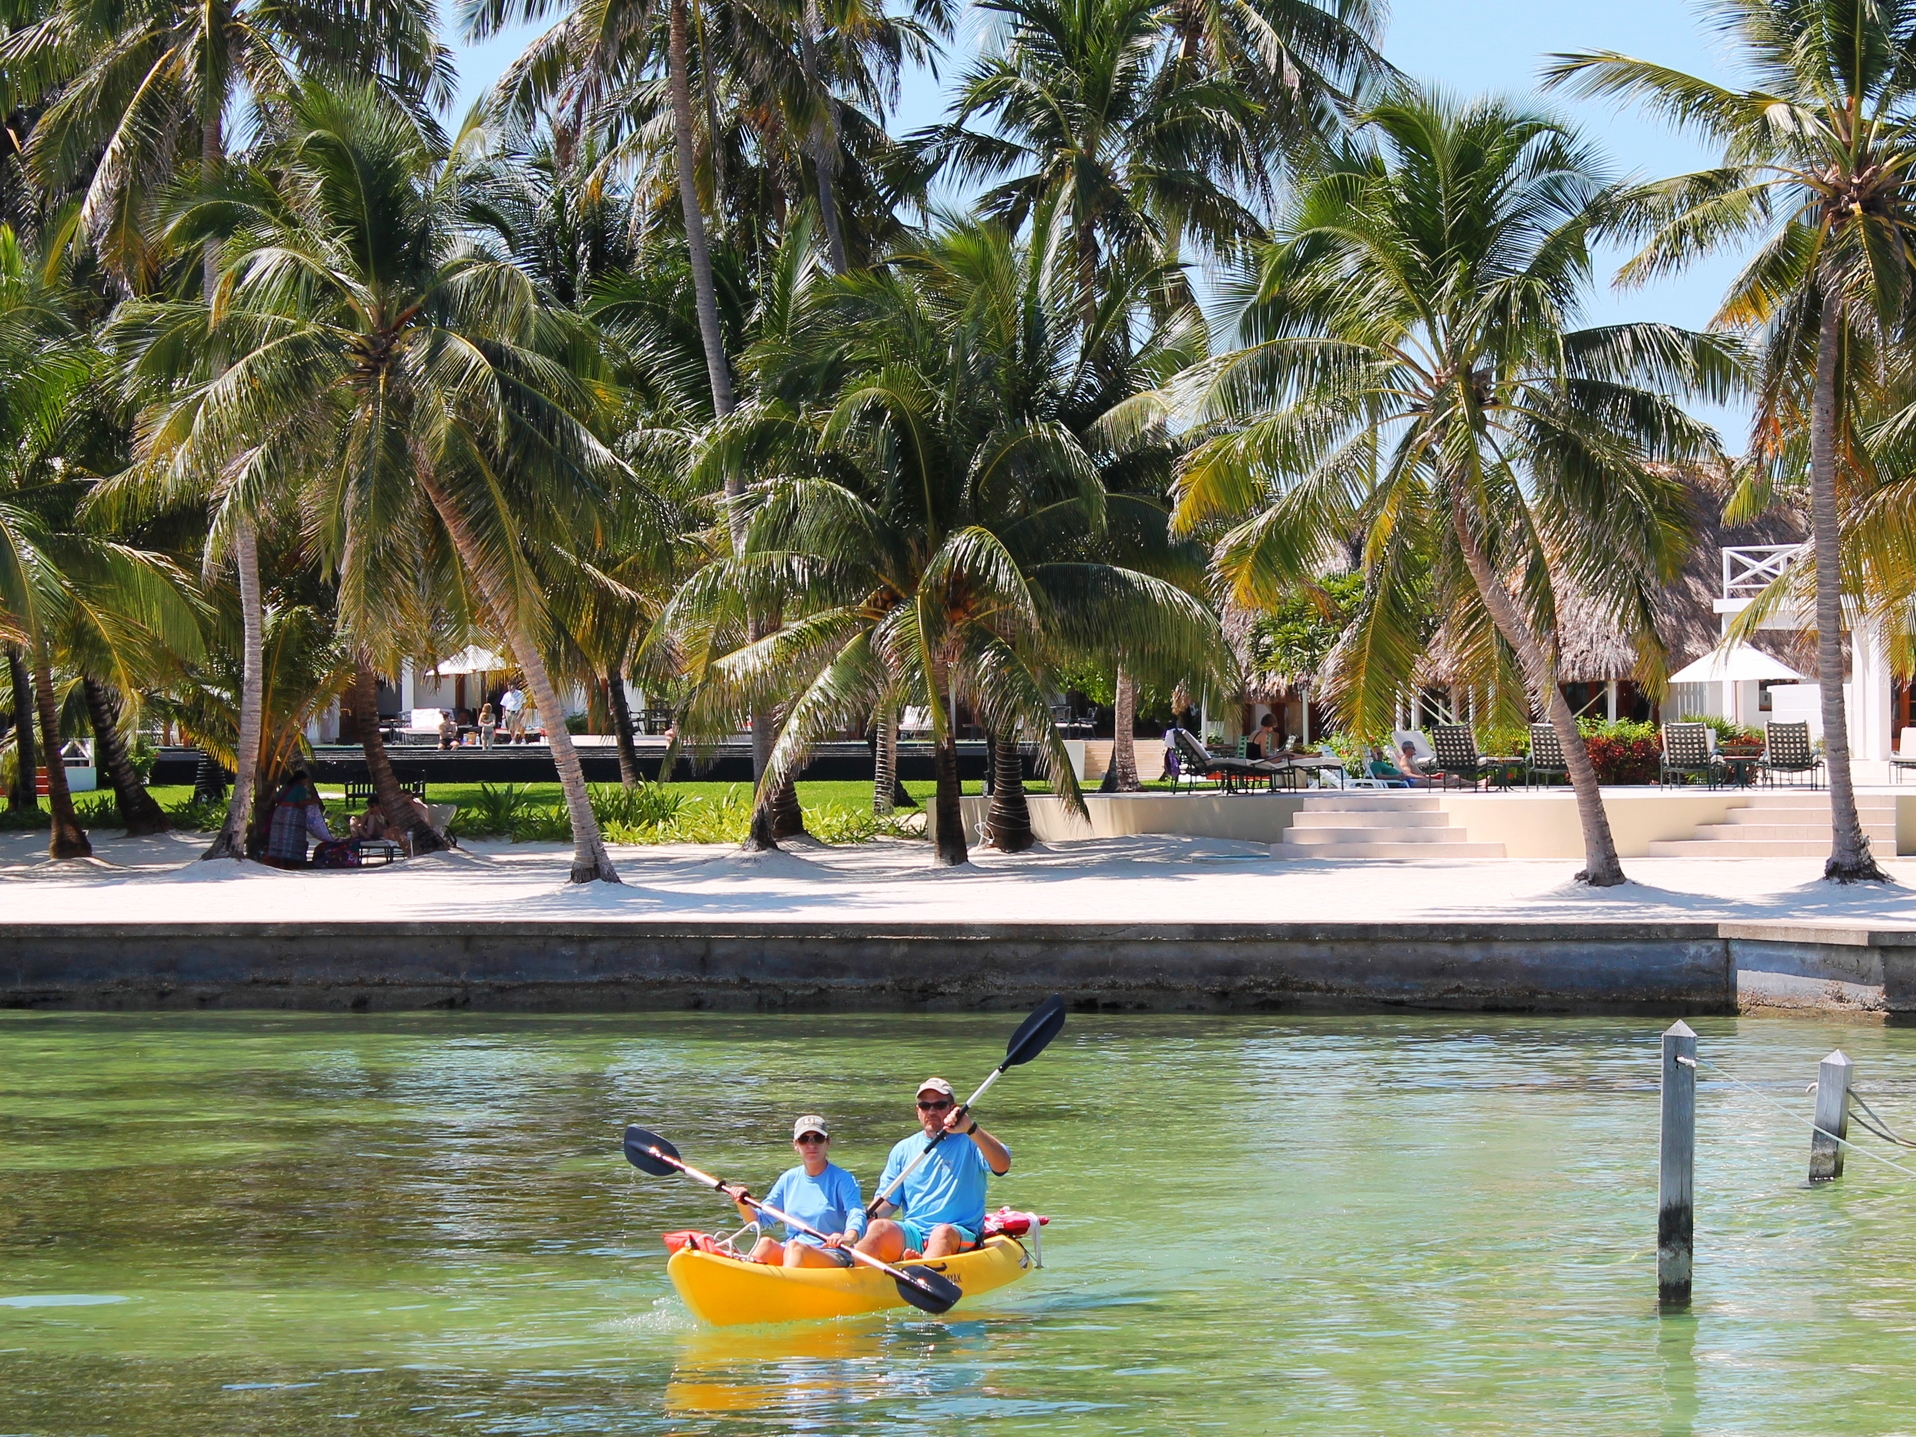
x: 372, y: 823
x: 297, y: 814
x: 818, y: 1192
x: 941, y: 1206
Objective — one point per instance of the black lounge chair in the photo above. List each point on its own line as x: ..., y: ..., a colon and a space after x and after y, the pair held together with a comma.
x: 1546, y: 756
x: 1457, y: 756
x: 1686, y: 752
x: 1787, y: 749
x: 1199, y: 762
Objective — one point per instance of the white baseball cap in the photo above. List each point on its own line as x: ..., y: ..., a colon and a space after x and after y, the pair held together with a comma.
x: 810, y: 1123
x: 936, y: 1085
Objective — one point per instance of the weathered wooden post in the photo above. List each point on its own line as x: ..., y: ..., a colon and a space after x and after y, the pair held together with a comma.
x: 1676, y: 1223
x: 1833, y: 1077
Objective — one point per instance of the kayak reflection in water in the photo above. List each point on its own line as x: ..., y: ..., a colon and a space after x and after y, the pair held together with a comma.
x: 818, y: 1192
x: 941, y: 1204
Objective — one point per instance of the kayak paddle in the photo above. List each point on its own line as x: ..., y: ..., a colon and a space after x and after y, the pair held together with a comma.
x: 923, y: 1288
x: 1031, y: 1039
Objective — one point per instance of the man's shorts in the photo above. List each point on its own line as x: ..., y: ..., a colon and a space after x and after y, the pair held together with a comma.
x: 918, y: 1234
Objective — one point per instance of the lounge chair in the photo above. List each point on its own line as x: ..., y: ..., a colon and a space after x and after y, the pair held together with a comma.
x: 1421, y: 752
x: 1457, y: 754
x: 1905, y: 755
x: 1199, y: 762
x: 1546, y: 756
x: 1787, y: 749
x: 1689, y: 748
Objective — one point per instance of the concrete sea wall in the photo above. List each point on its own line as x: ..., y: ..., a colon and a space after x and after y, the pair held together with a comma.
x: 1519, y: 967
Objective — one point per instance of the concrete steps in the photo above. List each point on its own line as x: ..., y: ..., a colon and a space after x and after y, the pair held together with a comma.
x: 1377, y: 825
x: 1782, y: 825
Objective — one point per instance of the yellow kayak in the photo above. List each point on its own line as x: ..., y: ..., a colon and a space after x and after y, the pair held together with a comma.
x: 727, y: 1291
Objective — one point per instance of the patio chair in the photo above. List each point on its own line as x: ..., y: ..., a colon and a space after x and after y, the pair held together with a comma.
x: 1457, y: 753
x: 1689, y: 748
x: 1199, y: 762
x: 1787, y: 749
x: 1546, y: 756
x: 1905, y: 755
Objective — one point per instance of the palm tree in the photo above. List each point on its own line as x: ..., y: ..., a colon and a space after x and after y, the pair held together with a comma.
x: 383, y: 355
x: 137, y: 96
x: 1412, y: 377
x: 1818, y: 171
x: 926, y: 548
x: 1136, y: 122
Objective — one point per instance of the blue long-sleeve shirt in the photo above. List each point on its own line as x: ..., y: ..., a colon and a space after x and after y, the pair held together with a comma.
x: 830, y: 1202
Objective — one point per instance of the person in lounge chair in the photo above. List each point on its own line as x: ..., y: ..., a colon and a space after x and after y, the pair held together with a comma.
x: 1409, y: 769
x: 941, y: 1207
x: 818, y: 1192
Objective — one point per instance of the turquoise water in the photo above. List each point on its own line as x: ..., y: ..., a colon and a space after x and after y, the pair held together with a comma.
x: 251, y: 1223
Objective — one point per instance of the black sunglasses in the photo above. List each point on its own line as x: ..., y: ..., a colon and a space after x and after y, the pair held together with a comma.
x: 936, y: 1107
x: 812, y: 1138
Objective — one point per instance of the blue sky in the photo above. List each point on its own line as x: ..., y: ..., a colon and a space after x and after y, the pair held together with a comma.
x: 1468, y: 47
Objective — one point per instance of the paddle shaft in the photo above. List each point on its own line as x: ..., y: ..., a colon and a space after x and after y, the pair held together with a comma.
x: 719, y: 1185
x: 932, y: 1142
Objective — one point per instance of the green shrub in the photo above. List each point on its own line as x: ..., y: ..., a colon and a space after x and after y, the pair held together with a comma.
x: 142, y: 756
x: 102, y: 810
x: 199, y: 817
x: 494, y: 812
x: 24, y: 820
x: 542, y: 825
x: 645, y: 806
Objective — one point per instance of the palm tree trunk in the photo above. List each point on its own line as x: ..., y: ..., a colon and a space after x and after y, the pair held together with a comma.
x: 140, y: 812
x: 401, y: 816
x: 231, y: 842
x: 1008, y: 823
x: 823, y: 141
x: 590, y: 862
x: 952, y: 849
x: 25, y: 797
x: 788, y: 817
x: 704, y: 291
x: 629, y: 772
x: 884, y: 762
x: 1849, y: 860
x: 68, y: 840
x: 1601, y: 866
x: 1124, y: 748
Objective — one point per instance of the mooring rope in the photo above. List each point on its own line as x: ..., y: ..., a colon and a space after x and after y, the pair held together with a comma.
x: 1798, y: 1117
x: 1876, y: 1122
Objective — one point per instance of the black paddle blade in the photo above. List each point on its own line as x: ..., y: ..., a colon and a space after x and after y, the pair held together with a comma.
x: 647, y: 1152
x: 926, y: 1290
x: 1035, y: 1032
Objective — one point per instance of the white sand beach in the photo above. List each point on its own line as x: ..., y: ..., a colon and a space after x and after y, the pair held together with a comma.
x: 1149, y: 879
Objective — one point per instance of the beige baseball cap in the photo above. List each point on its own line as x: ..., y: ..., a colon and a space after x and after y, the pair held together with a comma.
x: 810, y: 1123
x: 937, y: 1085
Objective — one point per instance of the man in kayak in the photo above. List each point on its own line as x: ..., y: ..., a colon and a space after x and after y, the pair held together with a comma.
x: 818, y: 1192
x: 941, y: 1206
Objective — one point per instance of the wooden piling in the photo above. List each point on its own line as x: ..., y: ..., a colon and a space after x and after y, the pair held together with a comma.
x: 1676, y: 1224
x: 1833, y: 1077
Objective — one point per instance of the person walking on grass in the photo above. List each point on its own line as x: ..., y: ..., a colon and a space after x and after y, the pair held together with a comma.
x: 817, y: 1192
x: 941, y: 1205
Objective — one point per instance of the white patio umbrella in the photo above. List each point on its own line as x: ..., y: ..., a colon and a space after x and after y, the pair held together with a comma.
x: 470, y: 660
x: 1738, y: 664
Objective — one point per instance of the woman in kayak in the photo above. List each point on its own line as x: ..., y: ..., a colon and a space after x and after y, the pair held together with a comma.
x: 818, y: 1192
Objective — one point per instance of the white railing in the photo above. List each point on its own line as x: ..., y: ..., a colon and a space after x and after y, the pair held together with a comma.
x: 1751, y: 568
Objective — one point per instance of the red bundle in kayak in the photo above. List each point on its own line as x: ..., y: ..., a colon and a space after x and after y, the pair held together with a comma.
x: 1012, y: 1224
x: 697, y: 1241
